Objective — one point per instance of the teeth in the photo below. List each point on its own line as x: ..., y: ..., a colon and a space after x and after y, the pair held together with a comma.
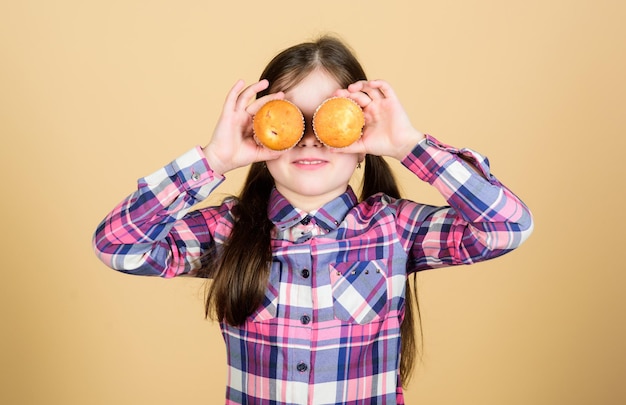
x: 309, y: 162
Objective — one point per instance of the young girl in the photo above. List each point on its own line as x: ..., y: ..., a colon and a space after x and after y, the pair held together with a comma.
x: 309, y: 282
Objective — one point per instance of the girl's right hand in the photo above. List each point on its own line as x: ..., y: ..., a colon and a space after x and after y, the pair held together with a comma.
x: 232, y: 144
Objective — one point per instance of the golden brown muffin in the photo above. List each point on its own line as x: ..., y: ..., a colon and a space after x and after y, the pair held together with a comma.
x: 278, y: 125
x: 338, y: 122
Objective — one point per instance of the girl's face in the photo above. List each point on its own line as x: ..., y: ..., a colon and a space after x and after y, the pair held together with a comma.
x: 310, y: 175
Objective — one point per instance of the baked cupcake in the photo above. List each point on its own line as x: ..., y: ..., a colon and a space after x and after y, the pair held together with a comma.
x: 278, y: 125
x: 338, y: 122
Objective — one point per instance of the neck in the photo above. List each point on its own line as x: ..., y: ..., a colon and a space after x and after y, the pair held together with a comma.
x: 309, y: 203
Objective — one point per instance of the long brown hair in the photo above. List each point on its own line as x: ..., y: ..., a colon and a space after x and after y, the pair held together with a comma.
x: 240, y: 270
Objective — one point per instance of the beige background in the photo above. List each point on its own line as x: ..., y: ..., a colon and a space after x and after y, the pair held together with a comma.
x: 94, y: 94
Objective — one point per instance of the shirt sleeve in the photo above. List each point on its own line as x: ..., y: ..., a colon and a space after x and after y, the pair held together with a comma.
x: 151, y: 232
x: 484, y: 218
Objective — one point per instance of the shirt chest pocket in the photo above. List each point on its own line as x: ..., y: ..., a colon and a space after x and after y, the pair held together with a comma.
x: 359, y: 291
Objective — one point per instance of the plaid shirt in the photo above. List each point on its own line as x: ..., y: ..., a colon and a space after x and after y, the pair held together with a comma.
x: 328, y: 331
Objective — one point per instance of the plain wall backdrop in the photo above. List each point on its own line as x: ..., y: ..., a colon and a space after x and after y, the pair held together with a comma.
x: 95, y: 94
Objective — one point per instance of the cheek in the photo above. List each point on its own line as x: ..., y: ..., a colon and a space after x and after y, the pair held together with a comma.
x: 278, y: 167
x: 349, y: 162
x: 272, y: 167
x: 344, y: 169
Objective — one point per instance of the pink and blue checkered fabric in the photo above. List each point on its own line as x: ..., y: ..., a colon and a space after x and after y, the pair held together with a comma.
x: 328, y: 331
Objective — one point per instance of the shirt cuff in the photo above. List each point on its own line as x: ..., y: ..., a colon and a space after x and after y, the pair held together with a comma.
x: 430, y: 157
x: 189, y: 173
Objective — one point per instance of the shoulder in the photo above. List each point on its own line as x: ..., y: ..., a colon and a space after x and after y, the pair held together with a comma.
x: 377, y: 205
x: 380, y: 201
x: 402, y: 210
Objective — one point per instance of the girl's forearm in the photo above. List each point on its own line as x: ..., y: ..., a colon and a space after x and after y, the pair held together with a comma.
x: 143, y: 234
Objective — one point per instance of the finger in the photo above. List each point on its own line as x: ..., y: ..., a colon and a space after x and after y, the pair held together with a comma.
x: 362, y: 84
x: 373, y: 89
x: 249, y: 93
x: 373, y: 93
x: 356, y: 147
x: 341, y: 93
x: 256, y: 105
x: 361, y: 98
x: 233, y: 93
x: 357, y: 86
x: 265, y: 154
x: 384, y: 88
x: 364, y: 92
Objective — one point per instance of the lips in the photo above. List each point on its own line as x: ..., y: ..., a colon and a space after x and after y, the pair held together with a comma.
x: 309, y: 162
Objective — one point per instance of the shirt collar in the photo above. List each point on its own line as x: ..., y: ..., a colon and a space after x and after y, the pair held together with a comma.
x: 284, y: 215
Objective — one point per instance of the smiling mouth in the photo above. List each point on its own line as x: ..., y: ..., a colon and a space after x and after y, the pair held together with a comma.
x: 309, y: 162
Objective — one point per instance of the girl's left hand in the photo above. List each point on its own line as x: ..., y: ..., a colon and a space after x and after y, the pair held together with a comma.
x: 388, y: 130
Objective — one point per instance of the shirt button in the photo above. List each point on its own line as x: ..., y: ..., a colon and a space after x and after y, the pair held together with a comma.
x: 305, y: 319
x: 195, y: 177
x: 305, y: 273
x: 302, y: 367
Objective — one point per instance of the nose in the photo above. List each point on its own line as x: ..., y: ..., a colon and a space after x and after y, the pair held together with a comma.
x: 309, y: 140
